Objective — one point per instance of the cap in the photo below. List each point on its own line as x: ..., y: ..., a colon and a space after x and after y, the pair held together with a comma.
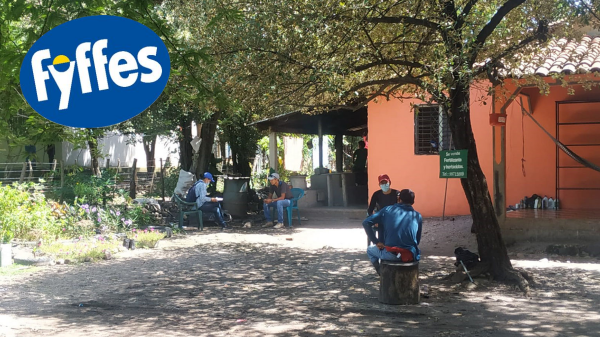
x: 384, y: 177
x: 274, y: 176
x: 407, y: 196
x: 207, y: 175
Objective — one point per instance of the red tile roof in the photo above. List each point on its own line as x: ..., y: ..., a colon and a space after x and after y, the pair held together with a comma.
x: 564, y: 56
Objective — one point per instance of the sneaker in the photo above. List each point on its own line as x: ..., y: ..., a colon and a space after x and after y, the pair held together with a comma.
x: 226, y: 227
x: 268, y: 224
x: 279, y: 225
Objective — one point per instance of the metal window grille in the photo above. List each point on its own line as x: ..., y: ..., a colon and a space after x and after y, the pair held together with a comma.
x: 432, y: 132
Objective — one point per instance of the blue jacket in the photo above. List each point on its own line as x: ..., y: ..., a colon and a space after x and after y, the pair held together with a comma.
x: 402, y: 227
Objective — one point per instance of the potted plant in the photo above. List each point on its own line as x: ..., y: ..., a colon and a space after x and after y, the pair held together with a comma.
x: 6, y: 236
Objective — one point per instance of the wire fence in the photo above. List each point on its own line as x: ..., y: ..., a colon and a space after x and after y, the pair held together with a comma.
x: 52, y: 176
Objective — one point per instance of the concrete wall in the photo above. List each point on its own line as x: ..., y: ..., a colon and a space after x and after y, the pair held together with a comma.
x: 525, y: 140
x: 392, y: 151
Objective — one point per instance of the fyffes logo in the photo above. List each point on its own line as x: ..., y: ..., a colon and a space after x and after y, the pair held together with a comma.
x: 95, y: 71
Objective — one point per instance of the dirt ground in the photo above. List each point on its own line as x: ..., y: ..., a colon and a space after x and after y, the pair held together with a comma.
x: 257, y: 282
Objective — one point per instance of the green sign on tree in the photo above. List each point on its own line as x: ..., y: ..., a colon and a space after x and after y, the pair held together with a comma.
x: 453, y: 164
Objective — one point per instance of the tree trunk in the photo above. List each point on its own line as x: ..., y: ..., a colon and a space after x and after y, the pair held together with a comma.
x: 209, y: 129
x: 186, y: 151
x: 149, y: 143
x: 490, y: 245
x: 93, y: 147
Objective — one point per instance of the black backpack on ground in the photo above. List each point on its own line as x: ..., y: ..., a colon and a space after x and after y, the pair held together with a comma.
x: 469, y: 258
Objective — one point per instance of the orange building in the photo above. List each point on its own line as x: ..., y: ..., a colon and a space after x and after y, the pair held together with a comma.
x: 518, y: 159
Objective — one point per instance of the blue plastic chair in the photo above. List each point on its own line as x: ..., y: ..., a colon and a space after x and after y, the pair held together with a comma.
x: 298, y: 193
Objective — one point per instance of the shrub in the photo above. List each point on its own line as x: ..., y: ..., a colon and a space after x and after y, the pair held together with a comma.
x: 25, y: 214
x: 80, y: 250
x: 146, y: 238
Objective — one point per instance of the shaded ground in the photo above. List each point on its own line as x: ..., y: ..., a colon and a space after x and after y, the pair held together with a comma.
x: 257, y: 283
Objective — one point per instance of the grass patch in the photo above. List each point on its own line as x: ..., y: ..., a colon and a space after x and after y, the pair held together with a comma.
x: 16, y: 269
x: 146, y: 238
x: 80, y: 251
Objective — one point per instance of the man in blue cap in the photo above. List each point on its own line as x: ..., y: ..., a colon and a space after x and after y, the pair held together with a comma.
x: 208, y: 204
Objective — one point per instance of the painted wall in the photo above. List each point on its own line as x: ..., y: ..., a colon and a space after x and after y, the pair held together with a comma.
x: 392, y: 151
x: 525, y: 140
x: 115, y: 148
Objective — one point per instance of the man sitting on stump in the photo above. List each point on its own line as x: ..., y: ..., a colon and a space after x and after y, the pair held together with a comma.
x: 402, y: 227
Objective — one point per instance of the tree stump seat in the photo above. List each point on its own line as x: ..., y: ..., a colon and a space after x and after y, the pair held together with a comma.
x: 399, y: 282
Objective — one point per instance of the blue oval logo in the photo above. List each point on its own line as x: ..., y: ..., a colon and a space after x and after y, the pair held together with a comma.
x: 95, y: 71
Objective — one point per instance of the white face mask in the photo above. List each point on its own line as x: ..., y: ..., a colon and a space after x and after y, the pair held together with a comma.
x: 385, y: 187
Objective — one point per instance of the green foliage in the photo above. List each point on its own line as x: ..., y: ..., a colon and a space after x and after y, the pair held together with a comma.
x: 170, y: 179
x: 26, y: 214
x: 80, y: 251
x: 146, y: 238
x: 84, y: 186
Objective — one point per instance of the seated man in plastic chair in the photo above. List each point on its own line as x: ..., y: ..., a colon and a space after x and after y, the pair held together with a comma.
x: 284, y: 194
x: 206, y: 204
x: 402, y: 227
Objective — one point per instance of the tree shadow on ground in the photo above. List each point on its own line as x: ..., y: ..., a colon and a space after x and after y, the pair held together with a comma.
x: 232, y: 289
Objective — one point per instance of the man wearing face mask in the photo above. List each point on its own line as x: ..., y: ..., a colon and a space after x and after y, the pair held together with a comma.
x: 386, y: 196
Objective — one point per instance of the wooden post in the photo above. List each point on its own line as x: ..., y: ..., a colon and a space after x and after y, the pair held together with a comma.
x: 22, y: 177
x: 133, y: 181
x: 273, y: 159
x: 30, y: 171
x: 62, y: 175
x: 53, y: 170
x: 107, y: 163
x: 320, y: 130
x: 344, y: 190
x: 162, y: 178
x: 339, y: 153
x: 152, y: 182
x: 399, y: 282
x: 118, y: 165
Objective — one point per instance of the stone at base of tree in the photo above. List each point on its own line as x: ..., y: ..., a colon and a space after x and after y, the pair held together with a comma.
x: 67, y: 261
x: 87, y: 259
x: 468, y: 285
x: 107, y: 255
x: 399, y: 283
x: 36, y: 261
x: 458, y: 277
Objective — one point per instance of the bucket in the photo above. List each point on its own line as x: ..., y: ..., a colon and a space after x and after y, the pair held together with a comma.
x: 5, y: 254
x: 298, y: 182
x: 235, y: 196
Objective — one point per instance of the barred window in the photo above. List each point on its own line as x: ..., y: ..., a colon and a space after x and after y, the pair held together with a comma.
x: 432, y: 132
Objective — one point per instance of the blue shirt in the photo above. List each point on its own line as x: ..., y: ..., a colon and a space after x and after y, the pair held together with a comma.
x: 201, y: 193
x: 402, y: 227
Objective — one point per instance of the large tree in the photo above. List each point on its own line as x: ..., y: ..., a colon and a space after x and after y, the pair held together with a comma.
x: 324, y: 53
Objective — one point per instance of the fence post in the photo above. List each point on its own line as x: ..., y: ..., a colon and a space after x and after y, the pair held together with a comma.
x: 53, y: 170
x: 152, y: 182
x: 119, y: 165
x: 30, y: 171
x: 162, y: 178
x: 62, y: 175
x: 133, y: 180
x: 107, y: 163
x: 22, y: 177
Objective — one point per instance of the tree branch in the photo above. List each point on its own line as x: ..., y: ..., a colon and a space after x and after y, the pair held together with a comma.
x: 466, y: 11
x: 389, y: 62
x: 406, y: 20
x: 508, y: 51
x: 495, y: 21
